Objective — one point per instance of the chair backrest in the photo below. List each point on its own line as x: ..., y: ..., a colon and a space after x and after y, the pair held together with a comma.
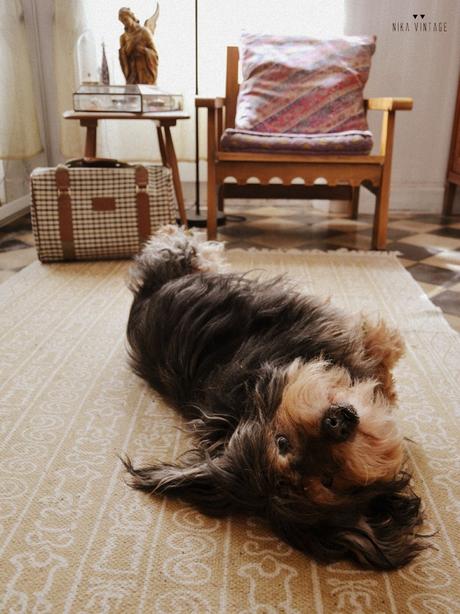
x: 231, y: 86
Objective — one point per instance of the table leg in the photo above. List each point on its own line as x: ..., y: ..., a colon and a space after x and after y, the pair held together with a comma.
x: 161, y: 144
x: 91, y: 137
x: 172, y: 163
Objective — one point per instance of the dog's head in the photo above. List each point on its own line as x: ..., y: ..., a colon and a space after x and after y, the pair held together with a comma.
x: 337, y: 456
x: 320, y: 457
x: 331, y: 435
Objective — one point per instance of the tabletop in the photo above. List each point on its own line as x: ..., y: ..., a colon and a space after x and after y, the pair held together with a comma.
x: 159, y: 116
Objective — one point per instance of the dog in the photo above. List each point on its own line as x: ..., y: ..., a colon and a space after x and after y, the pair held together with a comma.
x: 287, y: 398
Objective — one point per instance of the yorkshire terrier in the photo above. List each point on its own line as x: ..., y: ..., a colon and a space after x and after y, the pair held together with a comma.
x: 288, y: 399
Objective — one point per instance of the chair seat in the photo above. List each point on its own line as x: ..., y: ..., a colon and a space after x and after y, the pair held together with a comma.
x: 352, y: 142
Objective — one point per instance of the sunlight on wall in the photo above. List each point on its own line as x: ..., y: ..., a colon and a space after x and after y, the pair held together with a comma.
x: 174, y: 37
x: 220, y: 23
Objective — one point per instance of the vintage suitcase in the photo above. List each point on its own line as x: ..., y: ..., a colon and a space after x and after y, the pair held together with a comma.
x: 98, y: 209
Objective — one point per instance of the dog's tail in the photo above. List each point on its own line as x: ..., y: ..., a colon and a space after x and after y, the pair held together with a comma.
x: 171, y: 253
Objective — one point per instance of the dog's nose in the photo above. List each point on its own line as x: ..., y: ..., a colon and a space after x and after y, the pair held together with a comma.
x: 339, y: 422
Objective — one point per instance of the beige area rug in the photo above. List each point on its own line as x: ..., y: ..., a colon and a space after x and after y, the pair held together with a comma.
x: 74, y: 538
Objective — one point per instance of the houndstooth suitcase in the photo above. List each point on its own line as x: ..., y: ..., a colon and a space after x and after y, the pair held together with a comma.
x: 98, y: 209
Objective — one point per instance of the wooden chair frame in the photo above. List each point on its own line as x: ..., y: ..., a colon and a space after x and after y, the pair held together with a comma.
x: 344, y: 174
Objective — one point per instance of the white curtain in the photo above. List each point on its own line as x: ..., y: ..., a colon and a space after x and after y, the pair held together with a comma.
x: 70, y: 21
x: 19, y: 133
x: 220, y: 23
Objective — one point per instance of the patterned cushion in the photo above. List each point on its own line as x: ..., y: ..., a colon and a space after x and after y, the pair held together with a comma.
x: 303, y: 85
x: 352, y: 142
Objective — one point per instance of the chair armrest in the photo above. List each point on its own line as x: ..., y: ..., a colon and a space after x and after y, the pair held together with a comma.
x: 210, y: 103
x: 389, y: 104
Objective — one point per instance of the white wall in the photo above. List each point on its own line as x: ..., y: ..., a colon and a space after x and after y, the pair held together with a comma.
x: 424, y: 66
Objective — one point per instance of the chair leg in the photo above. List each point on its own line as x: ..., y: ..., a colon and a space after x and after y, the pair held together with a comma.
x: 379, y: 232
x: 354, y: 203
x: 220, y: 198
x: 212, y: 209
x: 212, y: 176
x: 449, y: 195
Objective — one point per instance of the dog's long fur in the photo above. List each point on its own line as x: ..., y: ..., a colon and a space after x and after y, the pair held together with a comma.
x: 254, y: 367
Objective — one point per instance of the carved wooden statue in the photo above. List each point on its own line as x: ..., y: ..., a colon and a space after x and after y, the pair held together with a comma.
x: 138, y: 54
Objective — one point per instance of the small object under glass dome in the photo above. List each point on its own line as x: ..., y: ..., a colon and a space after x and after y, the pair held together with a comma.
x: 105, y: 74
x: 88, y: 72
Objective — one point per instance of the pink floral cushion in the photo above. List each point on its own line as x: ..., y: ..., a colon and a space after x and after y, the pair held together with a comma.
x: 351, y: 142
x: 303, y: 85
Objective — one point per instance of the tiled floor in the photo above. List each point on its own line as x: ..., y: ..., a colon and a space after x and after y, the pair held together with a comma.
x: 429, y: 244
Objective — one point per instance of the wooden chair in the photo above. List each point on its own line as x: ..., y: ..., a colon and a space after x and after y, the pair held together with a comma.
x: 344, y: 174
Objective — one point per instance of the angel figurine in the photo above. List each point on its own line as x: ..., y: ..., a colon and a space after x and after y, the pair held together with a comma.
x: 138, y: 54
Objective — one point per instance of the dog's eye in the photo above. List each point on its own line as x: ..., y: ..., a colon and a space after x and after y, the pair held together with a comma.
x: 327, y: 481
x: 283, y: 444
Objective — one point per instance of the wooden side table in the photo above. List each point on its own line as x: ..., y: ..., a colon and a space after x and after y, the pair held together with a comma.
x: 163, y: 122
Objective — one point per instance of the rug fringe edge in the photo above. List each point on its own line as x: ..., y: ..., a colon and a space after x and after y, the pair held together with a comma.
x: 315, y: 252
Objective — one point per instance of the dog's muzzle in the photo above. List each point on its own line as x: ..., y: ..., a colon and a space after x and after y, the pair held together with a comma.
x: 339, y: 422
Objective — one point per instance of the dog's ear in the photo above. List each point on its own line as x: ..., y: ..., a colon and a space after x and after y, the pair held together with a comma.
x: 380, y: 533
x: 195, y: 483
x: 385, y: 537
x: 235, y: 480
x: 364, y: 543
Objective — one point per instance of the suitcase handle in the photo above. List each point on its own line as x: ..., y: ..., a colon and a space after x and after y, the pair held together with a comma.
x: 96, y: 163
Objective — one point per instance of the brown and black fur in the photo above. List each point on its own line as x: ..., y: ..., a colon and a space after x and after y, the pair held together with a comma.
x: 288, y: 401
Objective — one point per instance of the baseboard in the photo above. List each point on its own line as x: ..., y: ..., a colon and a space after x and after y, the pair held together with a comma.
x: 425, y: 199
x: 14, y: 210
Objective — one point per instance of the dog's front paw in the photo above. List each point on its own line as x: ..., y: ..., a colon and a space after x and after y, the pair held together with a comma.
x: 210, y: 258
x: 384, y: 346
